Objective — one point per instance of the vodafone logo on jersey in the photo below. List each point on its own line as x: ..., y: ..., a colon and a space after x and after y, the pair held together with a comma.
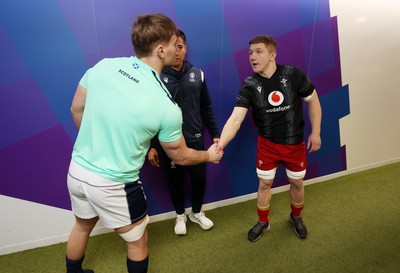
x: 275, y: 98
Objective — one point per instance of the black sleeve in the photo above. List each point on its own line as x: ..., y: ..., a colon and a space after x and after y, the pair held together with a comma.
x: 305, y: 85
x: 243, y: 99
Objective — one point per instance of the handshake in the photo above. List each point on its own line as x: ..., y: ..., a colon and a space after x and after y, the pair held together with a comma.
x: 182, y: 155
x: 215, y: 153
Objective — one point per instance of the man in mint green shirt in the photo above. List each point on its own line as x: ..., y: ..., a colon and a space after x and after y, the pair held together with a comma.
x: 120, y: 104
x: 118, y: 123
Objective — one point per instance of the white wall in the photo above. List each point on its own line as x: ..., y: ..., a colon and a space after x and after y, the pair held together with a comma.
x: 30, y: 223
x: 369, y: 43
x: 369, y: 39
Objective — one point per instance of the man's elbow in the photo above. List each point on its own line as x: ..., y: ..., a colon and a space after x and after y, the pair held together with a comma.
x: 76, y: 111
x: 73, y: 110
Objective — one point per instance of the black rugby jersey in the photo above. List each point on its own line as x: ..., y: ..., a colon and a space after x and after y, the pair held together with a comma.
x: 276, y: 103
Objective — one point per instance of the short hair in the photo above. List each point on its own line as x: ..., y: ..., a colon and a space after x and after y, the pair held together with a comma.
x: 182, y: 35
x: 267, y: 40
x: 150, y: 29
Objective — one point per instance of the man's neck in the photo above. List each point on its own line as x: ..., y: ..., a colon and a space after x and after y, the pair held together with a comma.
x: 177, y: 67
x: 269, y: 71
x: 154, y: 62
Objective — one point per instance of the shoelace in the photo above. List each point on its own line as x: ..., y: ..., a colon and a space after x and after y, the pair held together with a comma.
x: 259, y: 227
x: 299, y: 223
x: 200, y: 216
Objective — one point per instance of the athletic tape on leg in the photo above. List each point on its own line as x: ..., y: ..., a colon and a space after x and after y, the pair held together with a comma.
x: 137, y: 232
x: 269, y: 175
x: 296, y: 175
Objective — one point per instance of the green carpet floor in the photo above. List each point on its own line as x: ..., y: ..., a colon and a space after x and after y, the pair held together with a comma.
x: 353, y: 223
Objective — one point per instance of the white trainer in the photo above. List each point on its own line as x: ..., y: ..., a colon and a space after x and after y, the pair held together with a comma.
x: 201, y: 219
x: 180, y: 224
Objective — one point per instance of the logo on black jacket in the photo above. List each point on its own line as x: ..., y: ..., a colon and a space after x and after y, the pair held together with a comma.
x: 192, y: 77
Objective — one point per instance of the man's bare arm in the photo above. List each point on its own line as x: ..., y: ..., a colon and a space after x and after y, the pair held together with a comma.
x: 182, y: 155
x: 315, y: 116
x: 78, y: 105
x: 231, y: 126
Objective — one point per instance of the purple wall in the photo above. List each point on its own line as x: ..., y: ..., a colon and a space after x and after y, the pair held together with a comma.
x: 46, y: 48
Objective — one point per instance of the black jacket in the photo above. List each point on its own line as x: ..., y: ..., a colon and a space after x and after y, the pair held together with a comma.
x: 188, y: 88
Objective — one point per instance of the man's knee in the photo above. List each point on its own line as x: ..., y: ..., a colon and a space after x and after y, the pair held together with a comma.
x: 265, y: 178
x: 137, y: 232
x: 266, y: 175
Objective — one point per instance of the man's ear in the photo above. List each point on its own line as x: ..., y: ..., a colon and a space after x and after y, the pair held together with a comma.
x: 273, y: 55
x: 160, y: 51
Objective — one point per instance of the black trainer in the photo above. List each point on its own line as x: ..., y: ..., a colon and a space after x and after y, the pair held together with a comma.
x: 256, y: 231
x: 298, y: 226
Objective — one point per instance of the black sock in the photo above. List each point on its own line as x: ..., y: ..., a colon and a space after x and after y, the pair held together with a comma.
x: 137, y: 266
x: 75, y: 266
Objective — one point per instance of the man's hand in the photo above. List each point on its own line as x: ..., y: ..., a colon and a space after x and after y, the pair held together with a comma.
x: 313, y: 143
x: 219, y: 149
x: 152, y: 156
x: 214, y: 157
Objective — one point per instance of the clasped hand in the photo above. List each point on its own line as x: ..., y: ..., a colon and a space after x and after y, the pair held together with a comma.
x: 215, y: 154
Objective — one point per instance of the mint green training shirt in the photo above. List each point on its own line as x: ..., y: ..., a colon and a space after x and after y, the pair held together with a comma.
x: 126, y: 106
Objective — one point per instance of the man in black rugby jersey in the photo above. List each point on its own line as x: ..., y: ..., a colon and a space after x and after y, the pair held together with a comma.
x: 275, y: 93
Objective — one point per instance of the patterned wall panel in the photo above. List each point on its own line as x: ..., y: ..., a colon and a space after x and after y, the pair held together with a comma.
x: 46, y: 46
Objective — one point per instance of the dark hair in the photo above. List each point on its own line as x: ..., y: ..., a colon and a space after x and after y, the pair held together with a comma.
x: 149, y: 29
x: 182, y: 35
x: 267, y: 40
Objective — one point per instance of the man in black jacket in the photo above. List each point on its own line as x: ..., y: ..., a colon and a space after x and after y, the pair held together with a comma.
x: 188, y: 88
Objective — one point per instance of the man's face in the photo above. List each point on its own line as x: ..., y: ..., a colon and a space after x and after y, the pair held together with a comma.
x: 170, y: 52
x: 260, y: 57
x: 181, y: 49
